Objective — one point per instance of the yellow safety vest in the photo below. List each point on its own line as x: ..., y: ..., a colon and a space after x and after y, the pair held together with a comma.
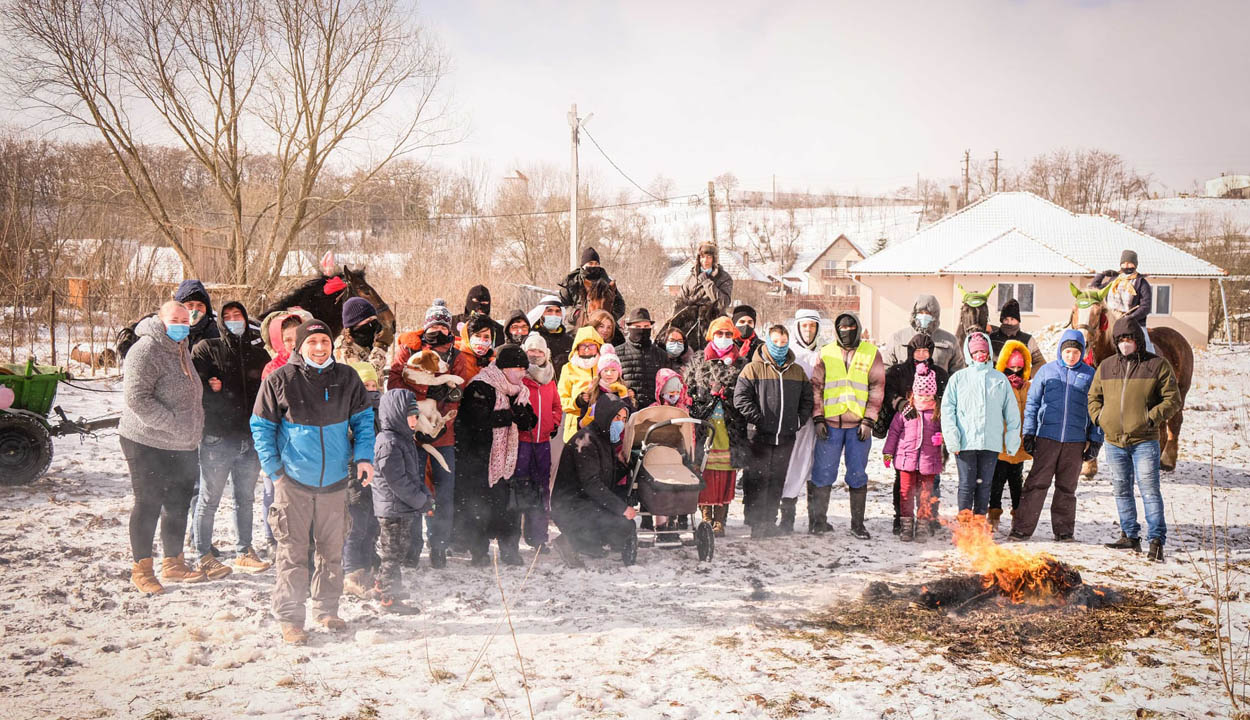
x: 846, y: 391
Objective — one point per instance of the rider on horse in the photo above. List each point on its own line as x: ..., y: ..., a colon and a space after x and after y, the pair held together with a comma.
x: 573, y: 291
x: 1131, y: 295
x: 705, y: 295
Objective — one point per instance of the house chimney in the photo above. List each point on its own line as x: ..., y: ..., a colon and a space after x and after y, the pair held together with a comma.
x: 952, y: 198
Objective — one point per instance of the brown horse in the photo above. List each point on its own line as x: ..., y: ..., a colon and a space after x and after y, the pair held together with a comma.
x: 597, y: 295
x: 1094, y: 319
x: 974, y: 314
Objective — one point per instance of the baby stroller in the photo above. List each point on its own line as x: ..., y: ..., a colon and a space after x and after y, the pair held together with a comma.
x: 662, y: 473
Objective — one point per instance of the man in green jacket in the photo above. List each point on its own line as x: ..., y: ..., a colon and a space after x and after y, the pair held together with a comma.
x: 1133, y: 395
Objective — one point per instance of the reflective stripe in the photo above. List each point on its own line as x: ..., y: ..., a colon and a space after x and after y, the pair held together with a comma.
x: 846, y: 390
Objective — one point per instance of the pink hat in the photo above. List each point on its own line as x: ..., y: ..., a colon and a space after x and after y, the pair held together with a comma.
x: 978, y: 343
x: 608, y: 358
x: 925, y: 382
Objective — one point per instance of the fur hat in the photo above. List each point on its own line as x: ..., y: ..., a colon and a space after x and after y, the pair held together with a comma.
x: 925, y: 382
x: 356, y: 310
x: 510, y: 355
x: 437, y: 314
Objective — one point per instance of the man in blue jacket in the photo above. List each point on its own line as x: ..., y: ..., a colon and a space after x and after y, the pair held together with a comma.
x: 1060, y: 435
x: 311, y: 420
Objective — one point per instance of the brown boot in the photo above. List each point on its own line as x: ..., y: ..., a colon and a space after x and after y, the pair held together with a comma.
x: 293, y: 634
x: 175, y: 569
x: 707, y: 512
x: 994, y: 516
x: 144, y: 578
x: 250, y: 562
x: 213, y: 568
x: 357, y: 583
x: 720, y: 516
x: 332, y: 623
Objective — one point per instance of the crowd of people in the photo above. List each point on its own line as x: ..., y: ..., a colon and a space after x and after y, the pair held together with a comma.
x: 465, y: 431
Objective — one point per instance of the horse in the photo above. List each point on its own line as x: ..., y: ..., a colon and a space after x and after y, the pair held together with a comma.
x: 324, y: 295
x: 974, y: 314
x: 597, y: 294
x: 1094, y: 319
x: 693, y: 322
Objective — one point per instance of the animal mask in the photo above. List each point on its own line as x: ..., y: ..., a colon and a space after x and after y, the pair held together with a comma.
x: 973, y: 298
x: 1088, y: 298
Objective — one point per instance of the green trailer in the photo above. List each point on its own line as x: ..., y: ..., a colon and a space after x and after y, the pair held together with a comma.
x: 25, y: 429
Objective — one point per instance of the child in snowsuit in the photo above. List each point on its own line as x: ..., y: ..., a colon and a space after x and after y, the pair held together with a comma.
x: 399, y: 494
x: 914, y: 446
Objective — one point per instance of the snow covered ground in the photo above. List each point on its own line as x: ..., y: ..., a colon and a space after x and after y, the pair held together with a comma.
x: 667, y: 638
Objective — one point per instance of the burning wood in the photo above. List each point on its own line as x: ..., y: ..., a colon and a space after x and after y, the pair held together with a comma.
x: 1017, y: 574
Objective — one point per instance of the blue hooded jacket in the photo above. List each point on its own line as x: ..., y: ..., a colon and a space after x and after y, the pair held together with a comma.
x: 1057, y: 408
x: 399, y: 485
x: 979, y: 409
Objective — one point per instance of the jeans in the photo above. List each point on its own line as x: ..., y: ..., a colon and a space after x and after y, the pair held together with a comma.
x: 267, y: 502
x: 976, y: 475
x: 230, y: 459
x: 829, y: 452
x: 1138, y: 463
x: 361, y: 540
x: 439, y: 531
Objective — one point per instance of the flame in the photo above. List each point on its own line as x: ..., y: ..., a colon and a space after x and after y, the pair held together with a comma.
x: 1019, y: 574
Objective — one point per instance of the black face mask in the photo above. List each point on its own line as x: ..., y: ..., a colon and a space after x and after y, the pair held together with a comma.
x: 437, y: 339
x: 746, y: 331
x: 517, y: 339
x: 594, y: 272
x: 640, y: 336
x: 363, y: 335
x: 1013, y: 371
x: 847, y: 336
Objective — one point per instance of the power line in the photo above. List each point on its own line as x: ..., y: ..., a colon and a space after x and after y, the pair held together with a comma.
x: 617, y: 167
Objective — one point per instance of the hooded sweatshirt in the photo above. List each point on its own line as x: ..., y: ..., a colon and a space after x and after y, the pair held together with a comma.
x: 1132, y: 397
x: 238, y: 362
x: 876, y: 381
x: 1021, y: 393
x: 1057, y: 407
x: 399, y: 484
x: 979, y: 410
x: 162, y: 394
x: 589, y: 468
x: 575, y: 380
x: 946, y: 352
x: 206, y: 327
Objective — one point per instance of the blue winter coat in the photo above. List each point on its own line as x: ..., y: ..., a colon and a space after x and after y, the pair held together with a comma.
x: 1057, y: 408
x: 301, y: 420
x: 979, y: 408
x: 399, y: 482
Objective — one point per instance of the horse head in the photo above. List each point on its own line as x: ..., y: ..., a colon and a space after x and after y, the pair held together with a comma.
x: 1090, y: 314
x: 358, y: 286
x: 974, y: 312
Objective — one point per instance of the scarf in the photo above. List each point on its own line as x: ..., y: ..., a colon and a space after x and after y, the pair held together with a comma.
x: 1124, y: 283
x: 541, y: 374
x: 504, y: 440
x: 729, y: 356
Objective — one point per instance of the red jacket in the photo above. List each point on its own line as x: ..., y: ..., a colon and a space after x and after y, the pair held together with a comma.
x: 546, y: 404
x: 462, y: 365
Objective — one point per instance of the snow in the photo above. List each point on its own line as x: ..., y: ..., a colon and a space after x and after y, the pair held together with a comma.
x: 1177, y: 216
x: 668, y: 638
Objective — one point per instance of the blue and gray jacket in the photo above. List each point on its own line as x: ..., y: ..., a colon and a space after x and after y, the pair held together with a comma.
x: 1057, y: 407
x: 301, y: 422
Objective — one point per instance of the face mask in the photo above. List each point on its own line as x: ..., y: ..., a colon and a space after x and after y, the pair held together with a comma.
x: 672, y: 398
x: 616, y: 430
x: 236, y: 327
x: 675, y: 348
x: 746, y: 331
x: 586, y: 363
x: 195, y: 316
x: 364, y: 334
x: 722, y: 343
x: 177, y: 333
x: 437, y: 339
x: 593, y: 273
x: 923, y: 320
x: 1009, y: 330
x: 640, y: 336
x: 517, y: 338
x: 551, y: 322
x: 480, y: 346
x: 777, y: 353
x: 1127, y: 347
x: 923, y: 402
x: 846, y: 336
x: 319, y: 366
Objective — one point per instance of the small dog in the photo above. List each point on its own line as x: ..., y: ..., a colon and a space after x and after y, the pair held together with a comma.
x: 422, y: 369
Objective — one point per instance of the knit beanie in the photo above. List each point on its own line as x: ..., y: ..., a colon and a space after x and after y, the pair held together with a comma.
x: 589, y: 254
x: 977, y: 343
x: 608, y: 358
x: 1011, y: 309
x: 311, y: 327
x: 534, y: 341
x: 721, y: 323
x: 510, y: 355
x: 925, y: 382
x: 437, y: 314
x: 1129, y: 256
x: 478, y: 300
x: 1070, y: 344
x: 366, y: 371
x: 356, y: 310
x: 743, y: 311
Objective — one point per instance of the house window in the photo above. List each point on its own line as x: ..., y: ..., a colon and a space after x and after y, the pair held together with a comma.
x: 852, y: 290
x: 833, y: 290
x: 1163, y: 300
x: 1022, y: 292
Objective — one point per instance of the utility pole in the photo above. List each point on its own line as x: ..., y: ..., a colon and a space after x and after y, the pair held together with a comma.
x: 774, y: 189
x: 574, y: 123
x: 967, y: 155
x: 995, y: 171
x: 711, y: 207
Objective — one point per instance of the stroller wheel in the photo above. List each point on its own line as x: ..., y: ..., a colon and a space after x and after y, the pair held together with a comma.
x: 705, y: 541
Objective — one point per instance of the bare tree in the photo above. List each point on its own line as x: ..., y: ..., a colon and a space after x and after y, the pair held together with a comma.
x: 728, y: 183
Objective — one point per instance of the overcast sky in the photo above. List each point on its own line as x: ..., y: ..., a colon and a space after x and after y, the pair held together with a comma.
x: 846, y: 96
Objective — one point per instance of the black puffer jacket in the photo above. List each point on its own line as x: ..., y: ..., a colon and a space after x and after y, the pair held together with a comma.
x: 237, y: 361
x: 710, y: 383
x: 639, y: 364
x: 589, y: 468
x: 898, y: 381
x: 775, y: 400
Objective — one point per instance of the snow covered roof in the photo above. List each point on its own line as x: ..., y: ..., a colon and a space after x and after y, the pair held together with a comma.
x: 1020, y: 233
x: 806, y: 259
x: 155, y: 264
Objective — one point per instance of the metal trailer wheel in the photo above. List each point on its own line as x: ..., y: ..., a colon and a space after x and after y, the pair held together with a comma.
x: 25, y: 449
x: 705, y: 541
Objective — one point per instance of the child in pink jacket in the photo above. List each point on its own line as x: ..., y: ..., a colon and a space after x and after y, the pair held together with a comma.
x: 532, y: 478
x: 914, y: 446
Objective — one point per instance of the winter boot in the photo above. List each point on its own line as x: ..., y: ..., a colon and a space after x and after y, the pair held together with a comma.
x: 859, y: 498
x: 907, y: 532
x: 509, y: 554
x: 1126, y: 543
x: 898, y: 525
x: 395, y: 606
x: 213, y: 568
x: 788, y: 511
x: 1156, y: 551
x: 293, y: 634
x: 995, y: 514
x: 142, y: 575
x: 438, y: 558
x: 707, y: 512
x: 175, y: 569
x: 818, y: 509
x: 720, y: 516
x: 333, y: 623
x: 568, y: 553
x: 250, y: 562
x: 629, y: 548
x: 920, y: 530
x: 935, y: 520
x: 357, y: 583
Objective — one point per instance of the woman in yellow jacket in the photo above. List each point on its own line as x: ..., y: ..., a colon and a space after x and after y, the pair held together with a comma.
x: 577, y: 376
x: 1016, y: 362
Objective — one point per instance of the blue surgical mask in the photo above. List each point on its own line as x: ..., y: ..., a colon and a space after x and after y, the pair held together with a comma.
x: 709, y: 271
x: 675, y: 348
x: 177, y: 332
x: 615, y: 431
x: 236, y: 327
x: 777, y: 353
x: 308, y: 361
x: 552, y: 322
x: 924, y: 319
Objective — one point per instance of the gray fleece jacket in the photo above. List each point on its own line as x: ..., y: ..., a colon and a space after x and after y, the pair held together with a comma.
x: 161, y: 392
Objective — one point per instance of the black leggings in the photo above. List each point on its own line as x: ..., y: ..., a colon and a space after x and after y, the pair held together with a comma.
x: 163, y: 482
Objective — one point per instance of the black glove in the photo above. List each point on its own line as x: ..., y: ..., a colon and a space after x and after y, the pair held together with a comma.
x: 822, y: 430
x: 1028, y: 443
x: 501, y: 418
x: 1091, y: 452
x: 864, y: 431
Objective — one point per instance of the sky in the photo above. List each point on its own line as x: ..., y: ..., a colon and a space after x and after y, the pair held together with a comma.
x: 846, y: 96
